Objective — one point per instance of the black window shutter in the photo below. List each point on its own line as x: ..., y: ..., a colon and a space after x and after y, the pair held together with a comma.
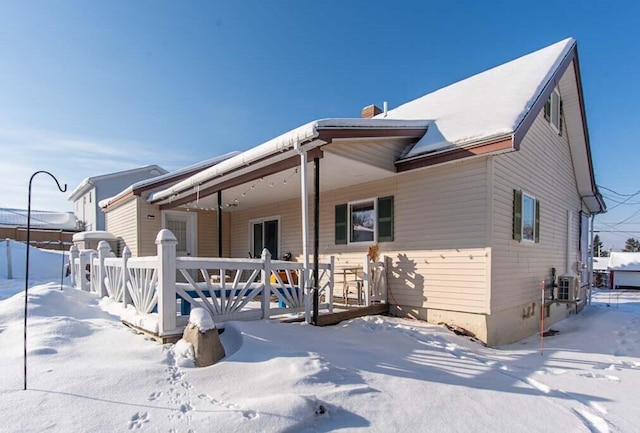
x: 341, y: 224
x: 537, y: 223
x: 385, y: 219
x: 517, y: 214
x: 560, y: 118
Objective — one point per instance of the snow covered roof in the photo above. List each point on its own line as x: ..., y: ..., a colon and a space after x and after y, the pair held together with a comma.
x: 623, y: 261
x: 308, y: 135
x: 93, y: 235
x: 600, y: 263
x: 39, y: 219
x: 487, y: 105
x: 494, y: 108
x: 168, y: 177
x: 88, y: 182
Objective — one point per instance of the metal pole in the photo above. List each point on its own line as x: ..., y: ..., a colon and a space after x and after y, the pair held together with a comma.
x: 26, y: 276
x: 316, y: 237
x: 304, y: 203
x: 219, y: 223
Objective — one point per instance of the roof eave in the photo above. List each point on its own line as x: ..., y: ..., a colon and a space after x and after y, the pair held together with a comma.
x: 304, y: 138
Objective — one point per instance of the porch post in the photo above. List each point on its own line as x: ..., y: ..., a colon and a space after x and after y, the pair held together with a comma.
x: 305, y: 212
x: 316, y: 237
x: 219, y: 224
x: 73, y: 255
x: 84, y: 283
x: 167, y: 311
x: 126, y: 296
x: 9, y: 268
x: 103, y: 252
x: 590, y: 262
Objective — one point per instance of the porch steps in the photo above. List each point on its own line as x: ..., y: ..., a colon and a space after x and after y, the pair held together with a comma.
x: 165, y: 339
x: 324, y: 319
x: 328, y: 319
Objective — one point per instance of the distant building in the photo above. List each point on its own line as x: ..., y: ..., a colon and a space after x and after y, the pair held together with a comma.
x: 625, y: 270
x: 51, y: 230
x: 91, y: 190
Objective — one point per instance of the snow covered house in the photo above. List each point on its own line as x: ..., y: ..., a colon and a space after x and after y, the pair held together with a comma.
x: 48, y: 229
x: 93, y: 189
x: 474, y: 193
x: 624, y: 268
x: 136, y: 222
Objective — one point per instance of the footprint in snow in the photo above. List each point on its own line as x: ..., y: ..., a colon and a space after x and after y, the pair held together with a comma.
x: 154, y: 396
x: 601, y: 376
x: 138, y: 420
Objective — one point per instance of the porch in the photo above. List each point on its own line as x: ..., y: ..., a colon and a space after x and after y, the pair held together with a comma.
x: 158, y: 292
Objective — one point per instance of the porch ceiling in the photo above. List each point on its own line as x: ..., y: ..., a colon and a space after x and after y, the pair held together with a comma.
x: 336, y: 171
x: 342, y: 163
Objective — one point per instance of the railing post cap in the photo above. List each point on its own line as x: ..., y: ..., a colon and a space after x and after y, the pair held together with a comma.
x: 165, y: 236
x: 73, y: 248
x: 126, y: 252
x: 103, y: 245
x: 266, y: 253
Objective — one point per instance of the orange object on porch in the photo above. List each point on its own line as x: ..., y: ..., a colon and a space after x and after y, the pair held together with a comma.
x: 284, y: 278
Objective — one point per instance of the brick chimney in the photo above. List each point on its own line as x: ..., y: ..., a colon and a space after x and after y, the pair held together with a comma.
x: 369, y: 111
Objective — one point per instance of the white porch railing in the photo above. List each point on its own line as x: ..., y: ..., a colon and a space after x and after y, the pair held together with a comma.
x: 375, y: 282
x: 163, y: 288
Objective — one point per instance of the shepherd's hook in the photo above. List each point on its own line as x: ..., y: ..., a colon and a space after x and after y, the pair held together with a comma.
x: 26, y: 276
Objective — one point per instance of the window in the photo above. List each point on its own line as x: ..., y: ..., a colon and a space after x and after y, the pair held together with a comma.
x: 526, y: 217
x: 364, y: 221
x: 265, y: 234
x: 553, y: 110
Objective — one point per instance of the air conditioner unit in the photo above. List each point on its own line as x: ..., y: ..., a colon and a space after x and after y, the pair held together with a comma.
x: 567, y: 288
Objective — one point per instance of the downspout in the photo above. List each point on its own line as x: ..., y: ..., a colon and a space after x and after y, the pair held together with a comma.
x: 305, y: 221
x: 316, y: 237
x: 590, y: 258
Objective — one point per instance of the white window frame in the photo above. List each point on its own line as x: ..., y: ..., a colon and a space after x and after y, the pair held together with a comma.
x: 374, y: 201
x: 554, y: 112
x: 275, y: 255
x: 533, y: 220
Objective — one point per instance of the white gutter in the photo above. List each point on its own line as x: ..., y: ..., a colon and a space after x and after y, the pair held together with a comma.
x: 167, y: 176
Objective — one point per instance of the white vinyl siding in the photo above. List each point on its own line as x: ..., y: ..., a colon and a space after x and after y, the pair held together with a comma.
x: 439, y: 257
x: 122, y: 223
x: 149, y: 227
x: 543, y: 168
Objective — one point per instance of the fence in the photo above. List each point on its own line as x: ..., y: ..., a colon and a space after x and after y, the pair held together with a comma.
x: 163, y: 288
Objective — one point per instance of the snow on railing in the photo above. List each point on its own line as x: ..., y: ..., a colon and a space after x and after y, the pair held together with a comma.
x: 163, y: 288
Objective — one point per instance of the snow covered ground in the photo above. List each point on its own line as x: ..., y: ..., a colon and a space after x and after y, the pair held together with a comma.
x: 87, y: 372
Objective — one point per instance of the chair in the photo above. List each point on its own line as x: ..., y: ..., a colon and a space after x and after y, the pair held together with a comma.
x: 352, y: 283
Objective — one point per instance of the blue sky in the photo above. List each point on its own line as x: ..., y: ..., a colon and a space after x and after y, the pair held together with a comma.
x: 90, y: 87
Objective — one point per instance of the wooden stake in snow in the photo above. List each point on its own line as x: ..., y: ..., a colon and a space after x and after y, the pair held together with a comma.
x: 542, y: 321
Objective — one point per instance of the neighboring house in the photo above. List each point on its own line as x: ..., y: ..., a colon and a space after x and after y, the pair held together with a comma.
x: 473, y: 192
x: 625, y: 270
x: 93, y: 189
x: 600, y: 271
x: 52, y: 230
x: 130, y: 217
